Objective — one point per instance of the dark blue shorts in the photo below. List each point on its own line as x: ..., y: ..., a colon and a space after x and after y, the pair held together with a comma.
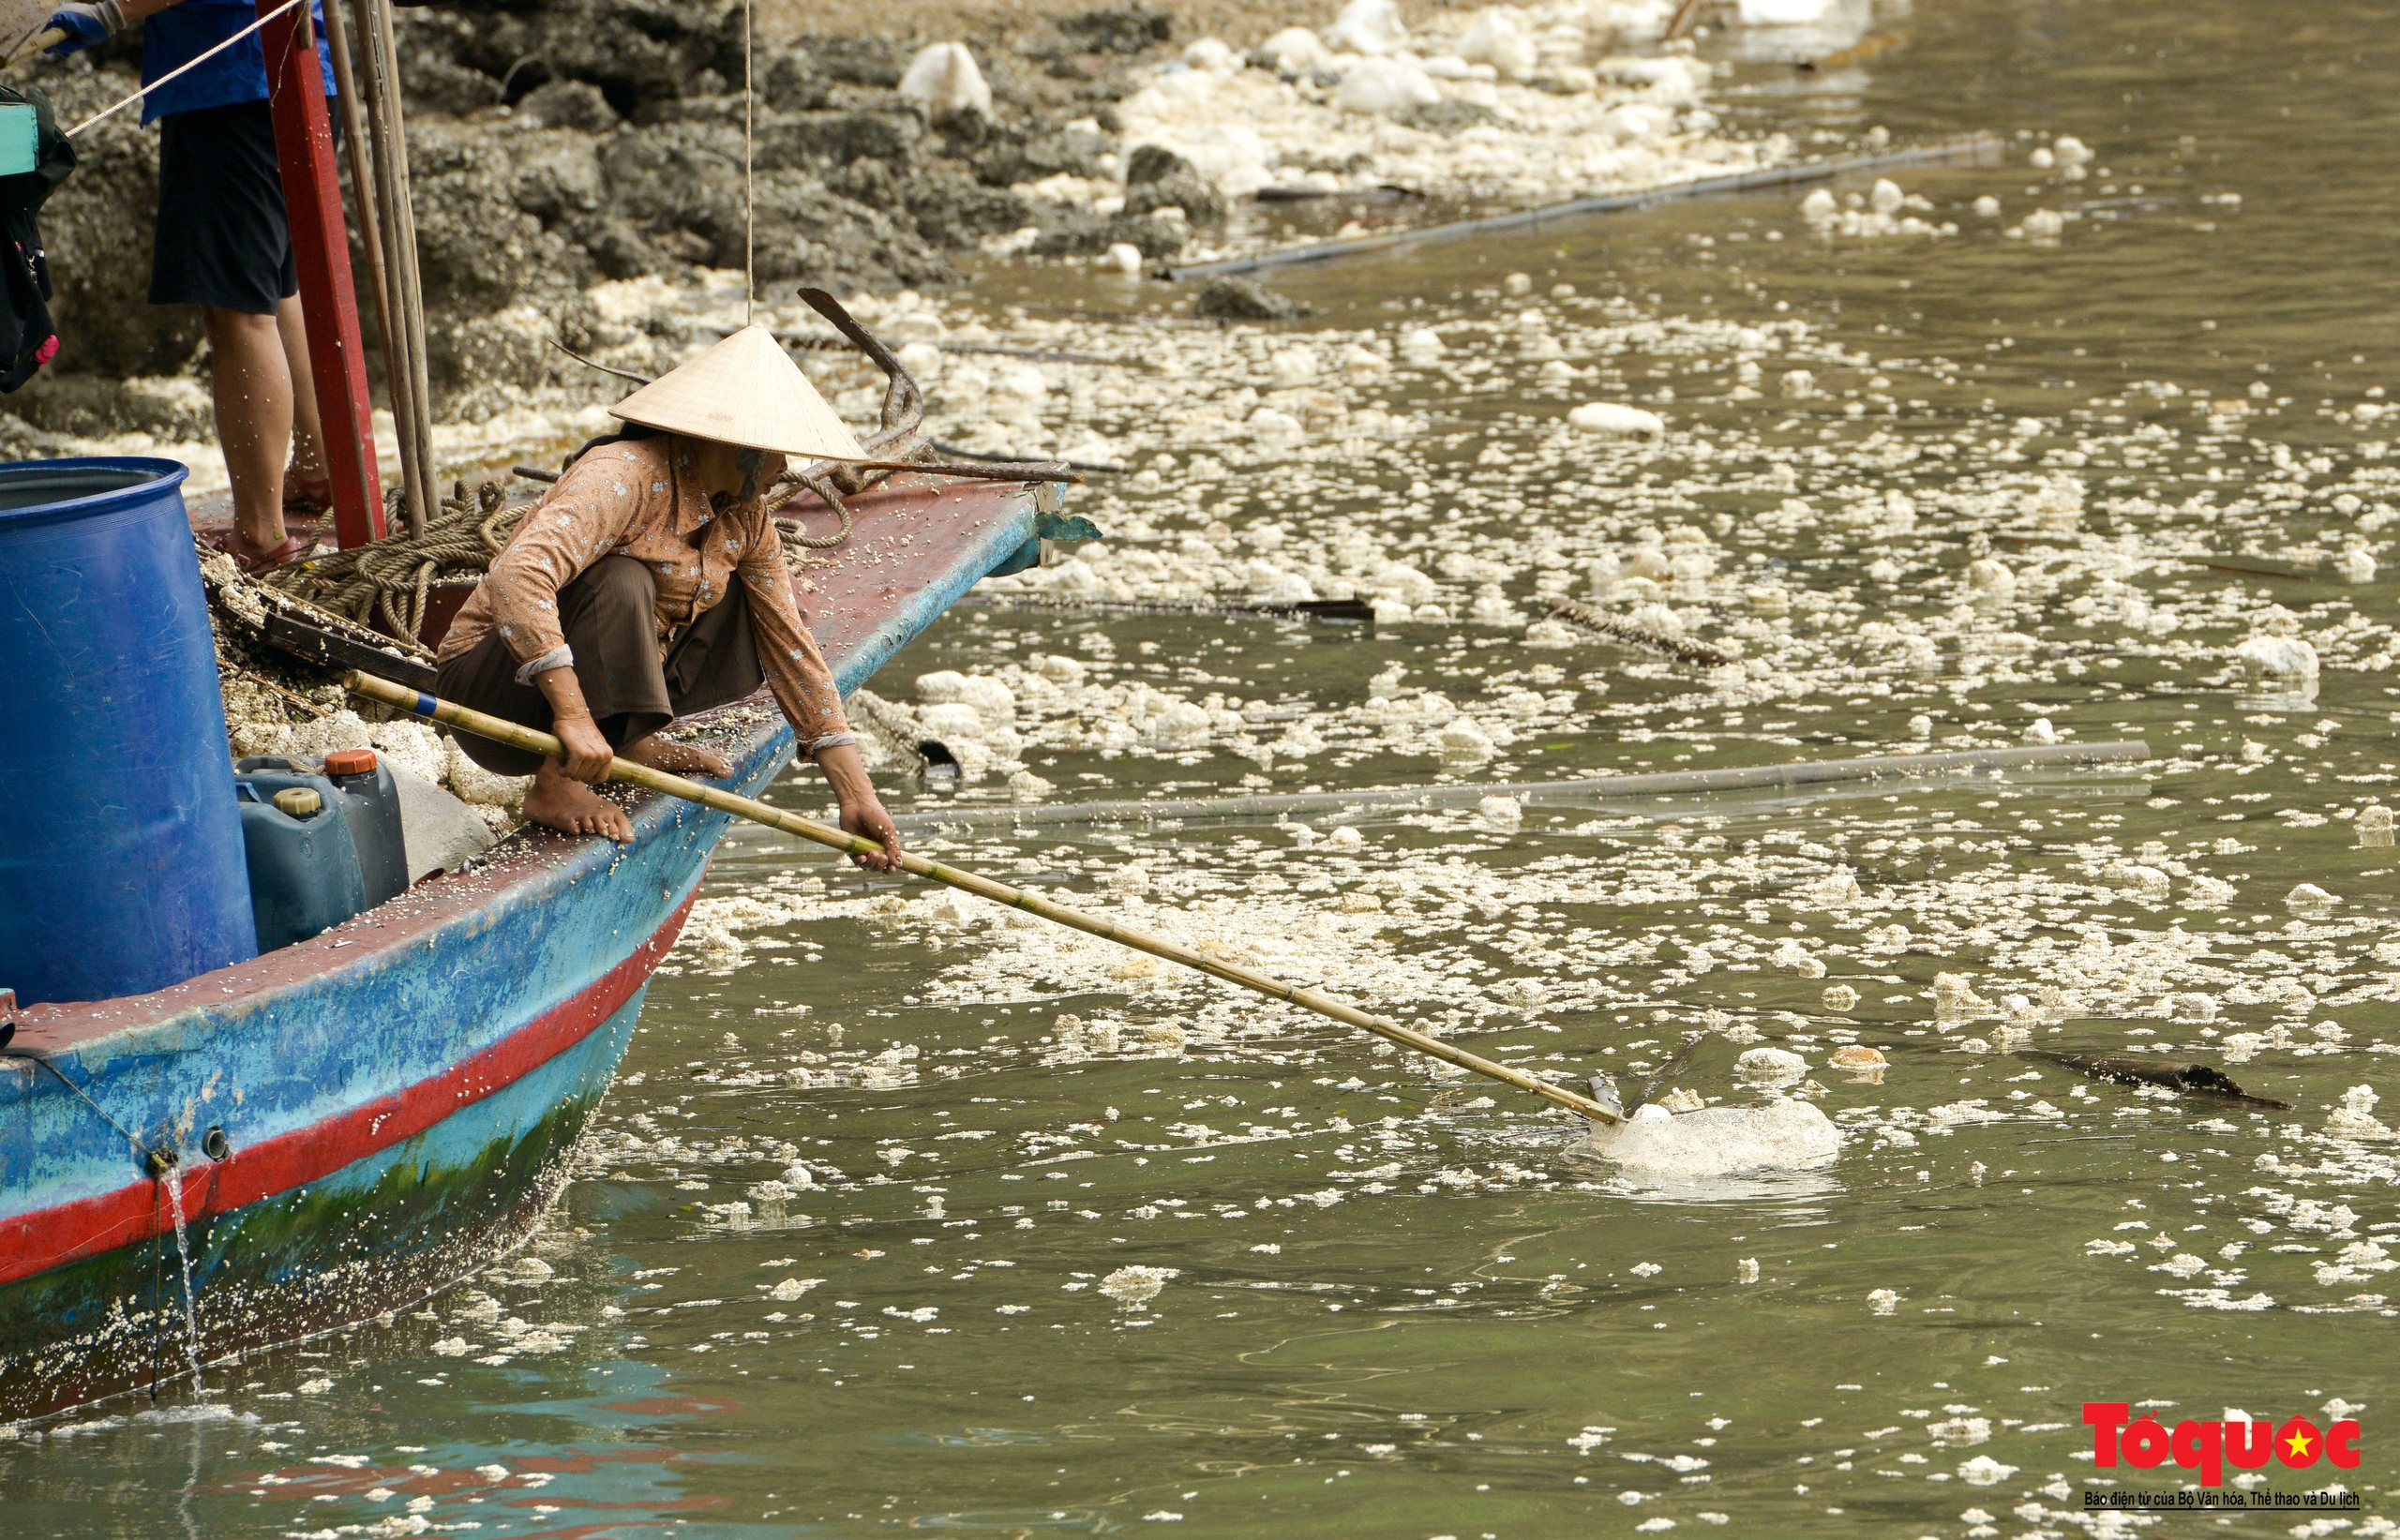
x: 223, y: 238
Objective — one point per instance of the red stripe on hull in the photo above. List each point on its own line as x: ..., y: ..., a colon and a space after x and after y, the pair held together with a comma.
x: 35, y: 1243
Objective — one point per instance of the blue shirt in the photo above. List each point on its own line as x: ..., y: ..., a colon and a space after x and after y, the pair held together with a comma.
x: 183, y: 32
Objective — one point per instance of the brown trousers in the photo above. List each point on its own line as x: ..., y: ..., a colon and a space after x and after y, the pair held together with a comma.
x: 609, y: 616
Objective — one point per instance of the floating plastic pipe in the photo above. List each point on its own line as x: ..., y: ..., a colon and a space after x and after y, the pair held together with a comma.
x: 1807, y: 772
x: 1976, y: 148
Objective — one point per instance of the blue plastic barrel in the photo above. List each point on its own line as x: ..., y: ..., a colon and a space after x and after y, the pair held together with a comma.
x: 121, y: 861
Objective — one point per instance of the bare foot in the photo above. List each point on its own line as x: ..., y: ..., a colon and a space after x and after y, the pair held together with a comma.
x: 660, y: 754
x: 573, y: 808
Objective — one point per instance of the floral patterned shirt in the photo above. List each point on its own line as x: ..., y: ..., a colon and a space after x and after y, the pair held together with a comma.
x: 644, y: 499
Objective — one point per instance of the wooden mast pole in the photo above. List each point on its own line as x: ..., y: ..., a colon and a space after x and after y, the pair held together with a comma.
x: 361, y: 152
x: 303, y: 144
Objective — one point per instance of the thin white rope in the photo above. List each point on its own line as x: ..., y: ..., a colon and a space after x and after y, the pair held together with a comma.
x: 749, y: 191
x: 170, y: 74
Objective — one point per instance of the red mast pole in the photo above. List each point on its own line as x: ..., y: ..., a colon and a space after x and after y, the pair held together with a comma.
x: 303, y: 144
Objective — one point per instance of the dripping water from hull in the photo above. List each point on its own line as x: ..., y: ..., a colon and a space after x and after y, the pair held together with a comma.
x: 172, y: 1180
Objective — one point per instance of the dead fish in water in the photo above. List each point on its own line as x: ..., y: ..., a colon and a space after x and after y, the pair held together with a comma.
x: 1604, y: 1089
x: 2182, y: 1077
x: 1857, y: 53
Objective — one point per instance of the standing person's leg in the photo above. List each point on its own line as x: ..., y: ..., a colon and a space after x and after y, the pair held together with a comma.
x: 250, y: 377
x: 224, y: 243
x: 306, y: 488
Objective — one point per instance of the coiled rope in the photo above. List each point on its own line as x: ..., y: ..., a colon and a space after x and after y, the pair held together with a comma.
x: 385, y: 583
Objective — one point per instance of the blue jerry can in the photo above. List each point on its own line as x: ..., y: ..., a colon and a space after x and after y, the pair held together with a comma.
x: 305, y: 877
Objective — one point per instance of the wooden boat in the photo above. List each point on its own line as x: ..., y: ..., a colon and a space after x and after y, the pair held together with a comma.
x: 335, y: 1129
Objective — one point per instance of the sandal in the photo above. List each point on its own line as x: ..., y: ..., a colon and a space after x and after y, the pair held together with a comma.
x: 306, y: 497
x: 291, y: 549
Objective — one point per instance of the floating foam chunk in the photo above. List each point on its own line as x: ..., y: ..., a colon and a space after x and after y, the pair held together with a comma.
x: 1026, y: 382
x: 1836, y: 888
x: 1773, y: 1065
x: 1295, y: 51
x: 2277, y: 657
x: 1634, y: 121
x: 1367, y: 26
x: 1841, y: 998
x: 1463, y: 739
x: 1613, y: 419
x: 2041, y: 731
x: 1783, y: 13
x: 1987, y: 207
x: 1421, y: 345
x: 1494, y: 39
x: 1656, y: 1145
x: 943, y: 79
x: 1123, y: 256
x: 1954, y: 993
x: 1992, y: 578
x: 2147, y: 883
x: 1501, y: 812
x: 2044, y: 224
x: 2355, y: 1117
x: 1885, y: 196
x: 991, y: 700
x: 1857, y: 1056
x: 1673, y: 80
x: 1291, y: 368
x: 1133, y: 1285
x: 1819, y: 205
x: 1386, y: 87
x: 2309, y: 899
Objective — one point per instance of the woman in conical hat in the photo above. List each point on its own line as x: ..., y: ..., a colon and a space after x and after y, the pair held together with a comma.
x: 649, y: 583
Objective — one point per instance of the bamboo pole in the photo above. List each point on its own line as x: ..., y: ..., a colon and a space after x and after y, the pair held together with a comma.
x: 361, y: 179
x: 543, y: 743
x: 400, y: 263
x: 399, y: 377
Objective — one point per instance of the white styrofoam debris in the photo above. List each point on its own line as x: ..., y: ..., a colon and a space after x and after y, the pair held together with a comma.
x: 1615, y: 419
x: 2273, y: 657
x: 1386, y: 87
x: 1770, y: 1066
x: 943, y: 77
x: 1656, y: 1144
x: 1367, y: 26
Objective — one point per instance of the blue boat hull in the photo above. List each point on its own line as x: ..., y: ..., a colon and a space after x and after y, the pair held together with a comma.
x: 392, y: 1104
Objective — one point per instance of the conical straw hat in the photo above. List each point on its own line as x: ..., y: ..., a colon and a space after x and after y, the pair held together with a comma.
x: 744, y: 391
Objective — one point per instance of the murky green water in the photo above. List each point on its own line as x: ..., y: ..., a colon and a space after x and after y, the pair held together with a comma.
x: 1383, y: 1304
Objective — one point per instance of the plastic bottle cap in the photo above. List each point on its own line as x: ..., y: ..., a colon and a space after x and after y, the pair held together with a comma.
x: 351, y: 762
x: 300, y: 801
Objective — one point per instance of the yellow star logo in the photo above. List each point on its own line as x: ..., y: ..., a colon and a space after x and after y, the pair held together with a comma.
x: 2298, y: 1444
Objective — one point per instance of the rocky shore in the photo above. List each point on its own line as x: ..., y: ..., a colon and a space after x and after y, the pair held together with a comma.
x: 577, y: 169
